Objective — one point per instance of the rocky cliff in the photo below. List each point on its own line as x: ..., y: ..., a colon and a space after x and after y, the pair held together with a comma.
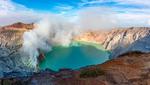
x: 10, y: 44
x: 120, y: 40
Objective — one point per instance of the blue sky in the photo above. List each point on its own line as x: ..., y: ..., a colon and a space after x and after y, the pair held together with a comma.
x: 47, y: 5
x: 126, y: 11
x: 57, y: 6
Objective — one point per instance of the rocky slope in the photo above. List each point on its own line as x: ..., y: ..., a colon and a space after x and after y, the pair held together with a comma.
x: 10, y: 44
x: 129, y: 69
x: 120, y: 40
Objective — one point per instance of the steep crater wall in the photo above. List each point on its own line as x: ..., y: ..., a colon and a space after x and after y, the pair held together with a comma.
x: 119, y: 41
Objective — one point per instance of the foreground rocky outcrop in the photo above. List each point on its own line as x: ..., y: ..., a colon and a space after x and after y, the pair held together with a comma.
x: 129, y: 69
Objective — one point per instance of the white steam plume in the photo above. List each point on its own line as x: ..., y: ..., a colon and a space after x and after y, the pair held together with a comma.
x: 55, y: 29
x: 50, y: 31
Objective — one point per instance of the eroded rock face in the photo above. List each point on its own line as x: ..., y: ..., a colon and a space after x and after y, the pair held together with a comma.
x: 128, y: 69
x: 10, y: 44
x: 120, y: 40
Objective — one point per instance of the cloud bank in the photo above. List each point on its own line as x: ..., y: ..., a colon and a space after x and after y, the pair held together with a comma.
x: 11, y: 12
x: 120, y: 13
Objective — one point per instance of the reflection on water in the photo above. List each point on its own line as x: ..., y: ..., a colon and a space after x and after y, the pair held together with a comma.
x: 73, y: 57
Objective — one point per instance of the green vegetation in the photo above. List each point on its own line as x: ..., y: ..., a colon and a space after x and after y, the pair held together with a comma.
x: 87, y: 73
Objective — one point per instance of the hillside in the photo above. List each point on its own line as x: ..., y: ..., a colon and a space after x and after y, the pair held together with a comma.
x: 10, y: 43
x: 129, y: 69
x: 119, y: 41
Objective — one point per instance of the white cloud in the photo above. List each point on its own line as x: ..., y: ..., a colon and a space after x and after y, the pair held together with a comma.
x: 121, y: 2
x: 134, y: 2
x: 148, y: 22
x: 64, y: 7
x: 7, y: 6
x: 94, y: 18
x: 134, y: 20
x: 137, y: 14
x: 90, y: 2
x: 140, y: 6
x: 90, y: 17
x: 105, y: 18
x: 11, y: 12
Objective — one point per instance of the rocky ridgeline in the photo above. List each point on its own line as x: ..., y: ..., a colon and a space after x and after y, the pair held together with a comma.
x: 18, y: 26
x: 129, y: 68
x: 120, y: 40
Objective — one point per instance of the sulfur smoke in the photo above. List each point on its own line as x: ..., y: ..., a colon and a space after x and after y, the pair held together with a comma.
x: 55, y: 29
x: 50, y: 31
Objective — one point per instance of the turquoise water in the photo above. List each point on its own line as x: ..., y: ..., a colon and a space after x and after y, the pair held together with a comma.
x: 74, y: 57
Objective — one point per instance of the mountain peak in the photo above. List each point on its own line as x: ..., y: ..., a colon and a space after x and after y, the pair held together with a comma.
x: 19, y: 25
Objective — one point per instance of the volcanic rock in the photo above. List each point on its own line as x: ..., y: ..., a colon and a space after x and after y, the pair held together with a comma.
x: 19, y: 25
x: 11, y: 39
x: 120, y: 40
x: 128, y: 69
